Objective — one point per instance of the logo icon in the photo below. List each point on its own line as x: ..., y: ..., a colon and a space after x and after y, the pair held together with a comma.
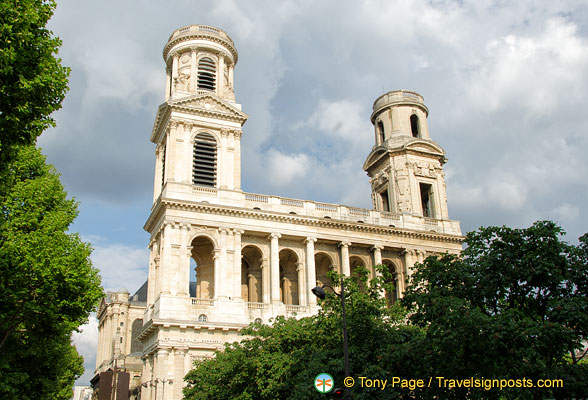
x: 323, y: 383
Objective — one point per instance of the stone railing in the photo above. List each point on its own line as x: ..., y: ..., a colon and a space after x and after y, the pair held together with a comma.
x: 211, y: 30
x: 202, y: 302
x: 306, y: 208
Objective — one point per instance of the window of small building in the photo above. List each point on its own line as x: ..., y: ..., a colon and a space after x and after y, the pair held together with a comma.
x: 204, y: 162
x: 381, y: 132
x: 426, y: 197
x: 202, y: 318
x: 206, y: 74
x: 414, y: 126
x: 385, y: 200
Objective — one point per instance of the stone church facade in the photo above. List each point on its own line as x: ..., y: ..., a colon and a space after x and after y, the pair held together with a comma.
x: 257, y: 256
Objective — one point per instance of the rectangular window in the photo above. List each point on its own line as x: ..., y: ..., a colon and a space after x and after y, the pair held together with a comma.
x: 426, y: 198
x: 385, y: 200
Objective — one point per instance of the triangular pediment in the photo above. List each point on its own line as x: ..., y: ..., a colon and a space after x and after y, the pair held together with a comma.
x: 202, y: 104
x: 208, y: 104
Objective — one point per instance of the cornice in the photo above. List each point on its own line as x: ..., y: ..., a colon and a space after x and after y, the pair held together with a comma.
x: 200, y: 35
x: 262, y: 215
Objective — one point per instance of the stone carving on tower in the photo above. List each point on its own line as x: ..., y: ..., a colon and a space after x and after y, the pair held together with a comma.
x: 221, y: 258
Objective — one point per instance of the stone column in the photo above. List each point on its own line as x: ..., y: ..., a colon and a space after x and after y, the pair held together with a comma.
x: 167, y: 82
x: 310, y: 270
x: 275, y: 267
x: 174, y: 76
x: 220, y: 76
x: 193, y: 71
x: 345, y: 268
x: 184, y: 273
x: 222, y: 292
x: 377, y: 249
x: 265, y: 281
x: 237, y: 256
x: 158, y: 172
x: 216, y: 257
x: 166, y: 258
x: 161, y: 372
x: 302, y: 295
x: 237, y: 160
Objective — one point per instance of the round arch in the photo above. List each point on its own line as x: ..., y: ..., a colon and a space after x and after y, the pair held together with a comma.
x: 289, y: 291
x: 251, y: 273
x: 392, y: 295
x: 203, y: 248
x: 323, y: 263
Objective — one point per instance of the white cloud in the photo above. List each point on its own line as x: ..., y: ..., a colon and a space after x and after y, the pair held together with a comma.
x: 283, y: 168
x: 86, y: 341
x: 121, y: 266
x: 345, y: 119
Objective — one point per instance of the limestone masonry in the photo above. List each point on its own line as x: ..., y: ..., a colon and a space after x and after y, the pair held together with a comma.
x: 255, y: 256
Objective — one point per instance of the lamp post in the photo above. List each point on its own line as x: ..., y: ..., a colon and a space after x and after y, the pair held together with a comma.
x: 321, y: 294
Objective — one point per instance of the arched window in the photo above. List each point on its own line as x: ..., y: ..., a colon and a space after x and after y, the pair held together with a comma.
x: 204, y: 162
x: 136, y: 328
x: 381, y: 132
x: 206, y: 74
x: 202, y: 318
x: 414, y: 126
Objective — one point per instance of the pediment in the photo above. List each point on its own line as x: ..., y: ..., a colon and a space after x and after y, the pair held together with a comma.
x: 202, y: 104
x: 208, y: 104
x: 425, y: 146
x: 374, y: 156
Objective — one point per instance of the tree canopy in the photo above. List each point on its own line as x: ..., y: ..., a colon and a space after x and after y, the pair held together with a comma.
x: 32, y: 80
x: 513, y: 305
x: 47, y: 281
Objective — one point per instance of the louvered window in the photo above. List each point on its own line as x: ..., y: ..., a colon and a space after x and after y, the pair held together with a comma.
x: 163, y: 165
x: 204, y: 164
x: 206, y: 74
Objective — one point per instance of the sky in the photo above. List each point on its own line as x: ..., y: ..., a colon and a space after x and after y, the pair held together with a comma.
x: 506, y: 84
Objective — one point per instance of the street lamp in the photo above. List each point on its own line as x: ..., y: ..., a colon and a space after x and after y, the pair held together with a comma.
x: 321, y: 294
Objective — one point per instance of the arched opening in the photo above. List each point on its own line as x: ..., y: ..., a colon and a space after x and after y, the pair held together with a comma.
x: 204, y: 160
x: 251, y: 275
x: 206, y: 74
x: 202, y: 286
x: 136, y: 328
x: 289, y: 277
x: 391, y: 295
x: 354, y: 263
x: 322, y: 264
x: 414, y: 126
x: 381, y: 132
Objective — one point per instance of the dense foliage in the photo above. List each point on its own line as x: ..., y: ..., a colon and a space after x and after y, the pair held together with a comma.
x: 47, y: 282
x: 32, y: 80
x: 512, y: 306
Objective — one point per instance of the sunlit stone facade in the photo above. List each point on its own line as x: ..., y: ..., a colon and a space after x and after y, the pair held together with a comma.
x: 257, y: 256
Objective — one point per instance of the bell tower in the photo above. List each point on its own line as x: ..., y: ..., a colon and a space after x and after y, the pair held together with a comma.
x: 197, y: 130
x: 405, y: 166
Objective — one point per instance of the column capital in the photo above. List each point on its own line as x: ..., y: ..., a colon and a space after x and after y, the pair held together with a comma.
x: 310, y: 239
x: 377, y: 246
x: 238, y: 231
x: 223, y: 230
x: 274, y: 235
x: 344, y: 244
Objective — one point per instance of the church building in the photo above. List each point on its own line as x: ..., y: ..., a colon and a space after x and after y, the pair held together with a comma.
x: 221, y: 258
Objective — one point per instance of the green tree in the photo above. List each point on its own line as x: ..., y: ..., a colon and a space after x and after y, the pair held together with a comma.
x: 513, y: 305
x: 47, y: 282
x: 282, y: 360
x: 32, y: 80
